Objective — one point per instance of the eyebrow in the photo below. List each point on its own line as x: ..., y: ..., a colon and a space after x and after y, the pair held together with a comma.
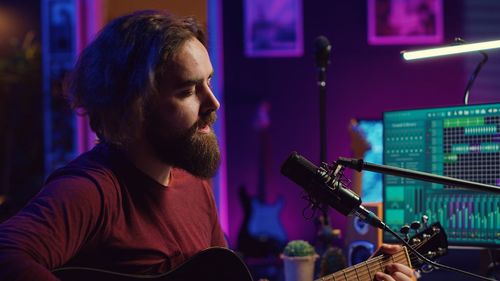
x: 190, y: 82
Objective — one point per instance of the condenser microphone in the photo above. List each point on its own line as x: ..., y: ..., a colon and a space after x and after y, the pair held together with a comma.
x: 320, y: 185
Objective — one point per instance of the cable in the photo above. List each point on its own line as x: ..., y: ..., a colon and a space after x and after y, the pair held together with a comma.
x: 474, y: 74
x: 435, y: 264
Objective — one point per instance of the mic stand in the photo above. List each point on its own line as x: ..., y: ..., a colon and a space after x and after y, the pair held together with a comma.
x: 322, y: 52
x: 322, y: 112
x: 360, y: 164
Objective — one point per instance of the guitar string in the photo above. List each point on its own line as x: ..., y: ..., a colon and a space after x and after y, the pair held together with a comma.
x: 358, y: 271
x: 361, y: 274
x: 401, y: 254
x: 371, y: 269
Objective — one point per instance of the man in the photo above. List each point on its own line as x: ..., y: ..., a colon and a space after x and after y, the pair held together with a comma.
x: 139, y: 202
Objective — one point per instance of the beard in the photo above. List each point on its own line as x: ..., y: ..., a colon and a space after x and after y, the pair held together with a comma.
x: 190, y: 150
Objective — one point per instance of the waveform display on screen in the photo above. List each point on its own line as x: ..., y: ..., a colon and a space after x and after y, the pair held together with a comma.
x: 459, y: 142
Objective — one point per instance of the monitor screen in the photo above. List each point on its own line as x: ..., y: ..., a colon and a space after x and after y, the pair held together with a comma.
x: 371, y: 183
x: 460, y: 142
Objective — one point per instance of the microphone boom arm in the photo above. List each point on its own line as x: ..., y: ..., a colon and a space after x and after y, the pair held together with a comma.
x: 360, y: 164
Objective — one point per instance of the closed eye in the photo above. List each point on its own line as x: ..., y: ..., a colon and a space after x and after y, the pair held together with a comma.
x: 186, y: 91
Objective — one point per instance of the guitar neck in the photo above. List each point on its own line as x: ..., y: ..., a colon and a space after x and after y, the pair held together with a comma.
x: 365, y: 271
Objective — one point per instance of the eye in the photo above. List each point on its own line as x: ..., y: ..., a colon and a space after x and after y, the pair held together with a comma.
x: 187, y: 92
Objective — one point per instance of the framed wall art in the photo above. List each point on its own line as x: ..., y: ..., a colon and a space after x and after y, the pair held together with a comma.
x: 273, y: 28
x: 405, y: 22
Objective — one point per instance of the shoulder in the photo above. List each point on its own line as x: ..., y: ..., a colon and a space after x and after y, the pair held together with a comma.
x: 90, y: 174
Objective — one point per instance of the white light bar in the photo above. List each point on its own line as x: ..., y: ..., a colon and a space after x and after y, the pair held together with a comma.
x: 450, y: 50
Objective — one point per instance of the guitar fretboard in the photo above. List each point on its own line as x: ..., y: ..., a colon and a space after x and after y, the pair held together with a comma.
x: 365, y: 271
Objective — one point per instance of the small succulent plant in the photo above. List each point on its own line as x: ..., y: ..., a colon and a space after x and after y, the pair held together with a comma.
x: 298, y: 248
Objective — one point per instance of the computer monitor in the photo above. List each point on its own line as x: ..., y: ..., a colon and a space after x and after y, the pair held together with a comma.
x: 371, y: 183
x: 461, y: 142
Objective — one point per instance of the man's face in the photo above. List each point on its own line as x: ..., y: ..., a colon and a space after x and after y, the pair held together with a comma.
x: 179, y: 126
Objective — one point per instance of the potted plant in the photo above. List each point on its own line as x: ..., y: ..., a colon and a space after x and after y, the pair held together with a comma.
x: 299, y: 257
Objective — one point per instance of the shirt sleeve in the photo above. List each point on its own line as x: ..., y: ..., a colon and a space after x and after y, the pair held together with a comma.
x: 50, y: 229
x: 218, y: 237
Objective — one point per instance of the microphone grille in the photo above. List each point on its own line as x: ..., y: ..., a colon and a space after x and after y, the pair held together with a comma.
x: 322, y: 48
x: 299, y: 169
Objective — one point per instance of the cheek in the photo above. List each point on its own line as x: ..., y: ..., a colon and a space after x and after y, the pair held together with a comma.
x: 180, y: 115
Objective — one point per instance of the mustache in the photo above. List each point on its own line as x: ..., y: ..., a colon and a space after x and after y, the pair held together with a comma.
x: 208, y: 119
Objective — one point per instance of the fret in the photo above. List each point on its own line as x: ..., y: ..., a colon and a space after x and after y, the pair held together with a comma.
x: 350, y: 276
x: 380, y: 265
x: 369, y: 274
x: 352, y: 273
x: 376, y: 265
x: 360, y: 271
x: 356, y: 272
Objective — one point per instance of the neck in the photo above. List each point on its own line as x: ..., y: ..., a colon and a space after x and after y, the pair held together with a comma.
x: 365, y: 271
x: 142, y: 156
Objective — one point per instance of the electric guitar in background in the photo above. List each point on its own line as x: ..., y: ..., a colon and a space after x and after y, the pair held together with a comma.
x: 220, y: 264
x: 261, y: 233
x: 359, y: 147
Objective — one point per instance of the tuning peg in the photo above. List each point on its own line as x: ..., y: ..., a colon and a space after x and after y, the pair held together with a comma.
x: 441, y: 251
x: 415, y: 226
x: 426, y: 268
x: 405, y: 229
x: 431, y: 254
x: 425, y: 221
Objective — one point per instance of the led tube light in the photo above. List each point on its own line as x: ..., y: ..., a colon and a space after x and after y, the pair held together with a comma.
x: 450, y: 50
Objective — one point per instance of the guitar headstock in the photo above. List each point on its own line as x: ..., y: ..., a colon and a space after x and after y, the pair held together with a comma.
x: 262, y: 117
x: 359, y: 143
x: 431, y: 242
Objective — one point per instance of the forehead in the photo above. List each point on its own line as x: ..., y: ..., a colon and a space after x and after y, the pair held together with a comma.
x: 190, y: 62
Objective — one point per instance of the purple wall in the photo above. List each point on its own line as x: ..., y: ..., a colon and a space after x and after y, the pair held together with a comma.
x: 363, y: 82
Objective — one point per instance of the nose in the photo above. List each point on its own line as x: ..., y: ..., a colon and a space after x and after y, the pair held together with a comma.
x: 211, y: 103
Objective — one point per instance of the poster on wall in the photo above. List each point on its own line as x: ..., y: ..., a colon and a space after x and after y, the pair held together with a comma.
x: 405, y: 22
x: 273, y: 28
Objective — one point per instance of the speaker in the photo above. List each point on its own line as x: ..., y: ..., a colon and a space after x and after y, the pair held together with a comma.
x: 362, y: 240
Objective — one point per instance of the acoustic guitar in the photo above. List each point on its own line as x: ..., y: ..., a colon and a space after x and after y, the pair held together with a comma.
x: 220, y: 264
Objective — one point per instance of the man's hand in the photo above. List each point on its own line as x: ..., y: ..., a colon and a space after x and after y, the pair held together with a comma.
x: 394, y: 271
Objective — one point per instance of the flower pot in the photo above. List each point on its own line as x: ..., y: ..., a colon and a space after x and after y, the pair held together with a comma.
x: 299, y: 268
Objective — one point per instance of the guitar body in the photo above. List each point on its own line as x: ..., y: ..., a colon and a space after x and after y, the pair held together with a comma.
x: 213, y: 264
x: 264, y: 220
x: 261, y: 233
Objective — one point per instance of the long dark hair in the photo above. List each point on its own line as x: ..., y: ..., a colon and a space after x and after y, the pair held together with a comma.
x: 117, y: 73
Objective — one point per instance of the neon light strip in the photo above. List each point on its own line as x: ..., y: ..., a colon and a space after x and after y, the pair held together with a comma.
x: 450, y: 50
